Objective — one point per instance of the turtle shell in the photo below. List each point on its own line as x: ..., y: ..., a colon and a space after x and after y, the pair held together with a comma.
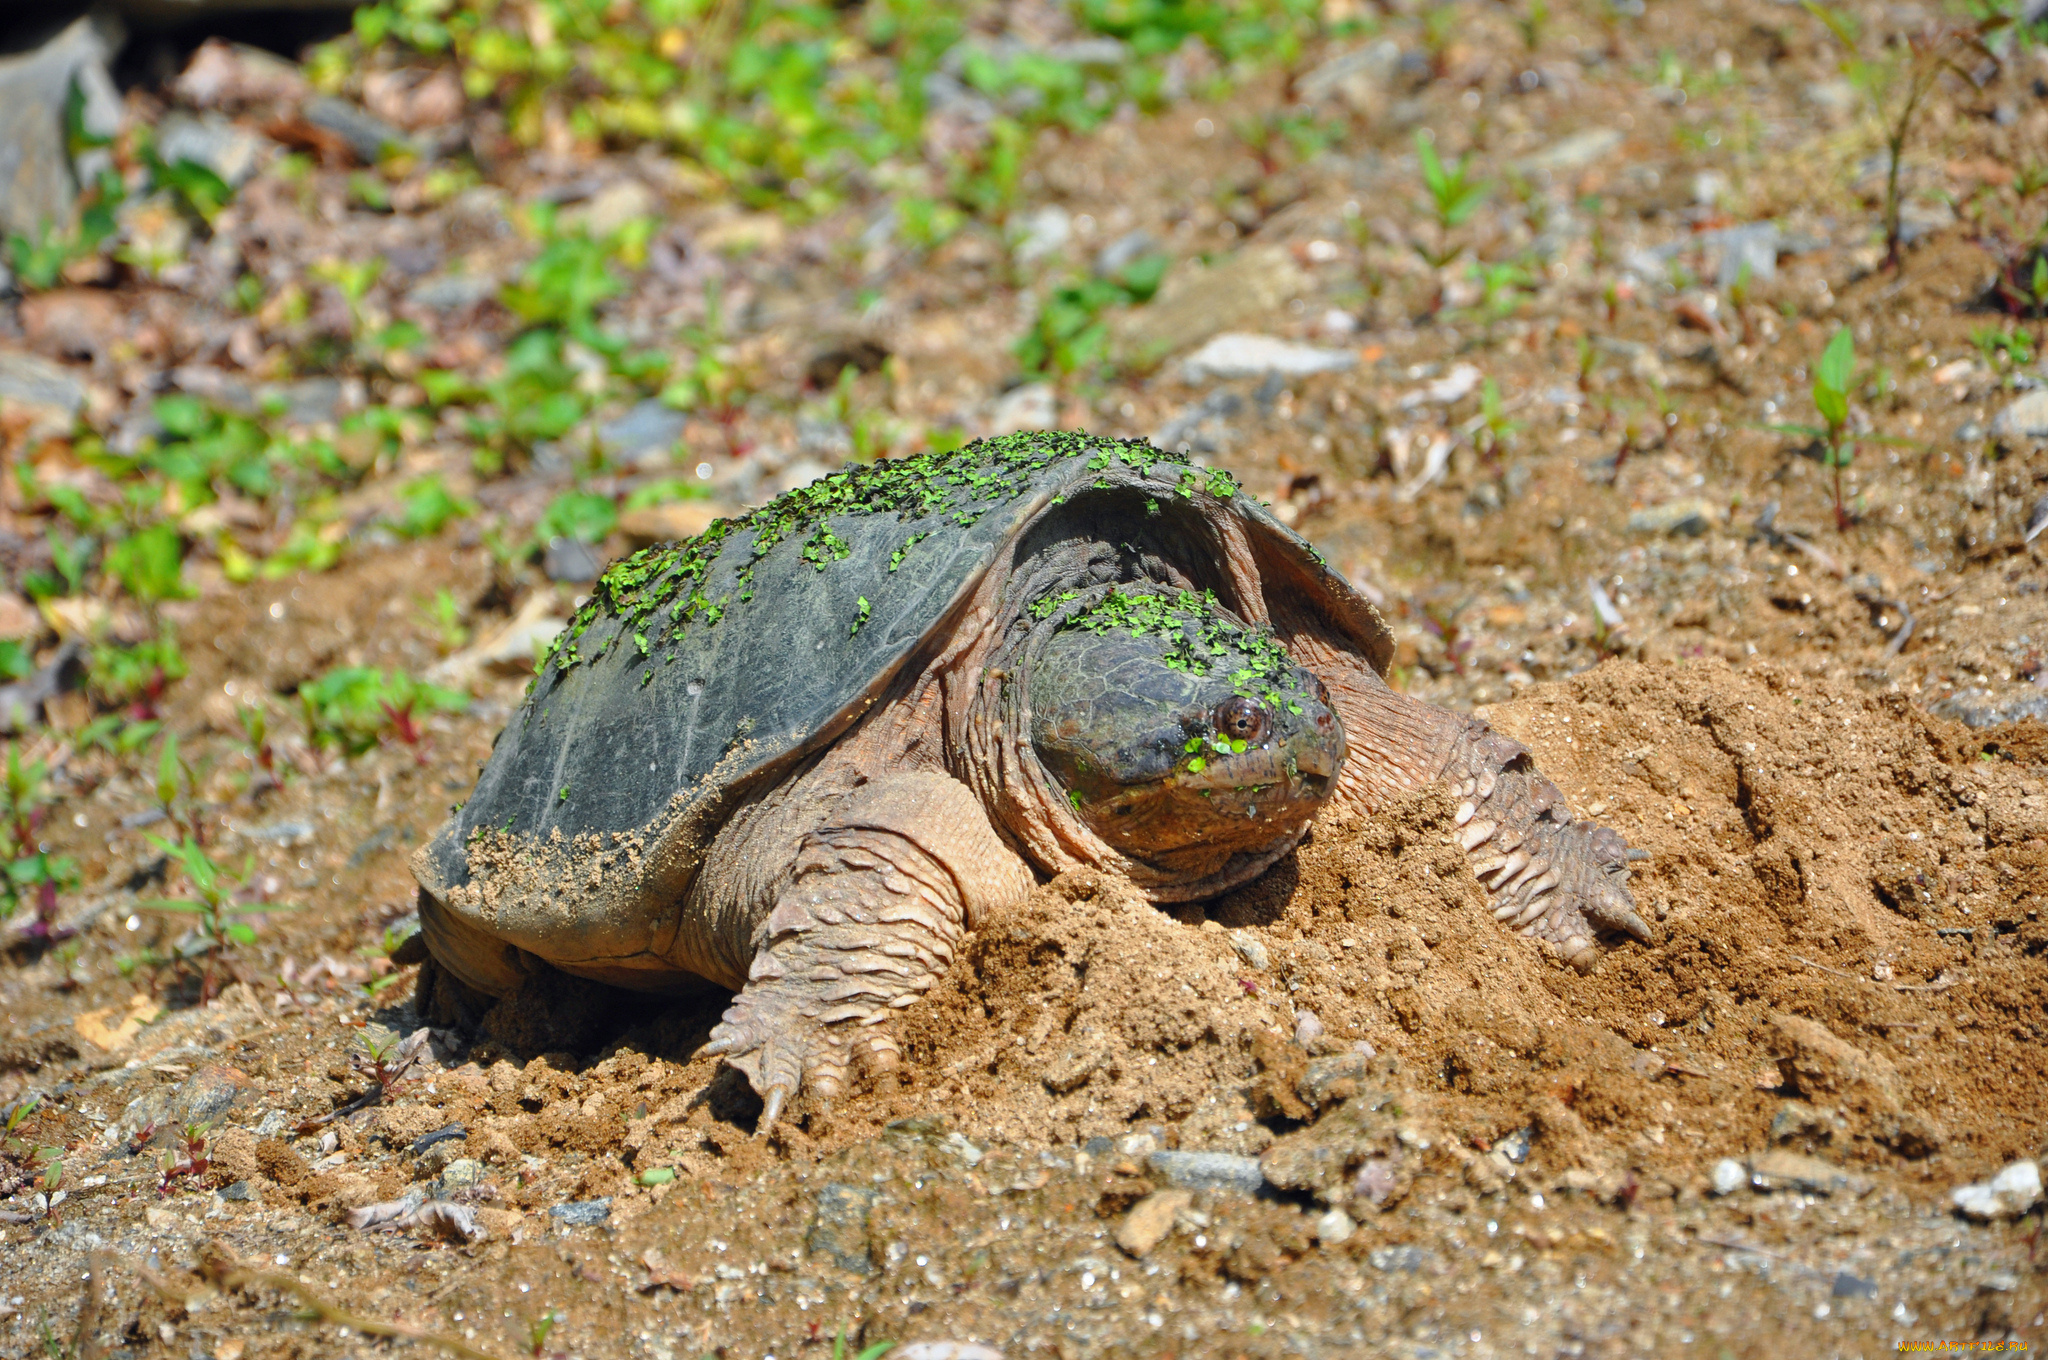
x: 697, y: 671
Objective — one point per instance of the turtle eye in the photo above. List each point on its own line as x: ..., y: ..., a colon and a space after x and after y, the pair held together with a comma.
x: 1241, y: 719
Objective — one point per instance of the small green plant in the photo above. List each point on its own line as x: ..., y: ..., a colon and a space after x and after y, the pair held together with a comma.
x: 32, y: 875
x: 1532, y: 21
x: 2003, y: 349
x: 386, y: 1058
x: 263, y: 767
x: 191, y: 1158
x: 444, y: 616
x: 1895, y: 85
x: 426, y: 507
x: 1834, y: 378
x: 1454, y: 195
x: 215, y: 906
x: 538, y: 1331
x: 1069, y: 334
x: 874, y: 1350
x: 355, y: 707
x: 581, y: 515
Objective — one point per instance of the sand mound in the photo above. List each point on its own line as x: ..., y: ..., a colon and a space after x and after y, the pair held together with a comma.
x: 1848, y: 963
x: 1849, y: 958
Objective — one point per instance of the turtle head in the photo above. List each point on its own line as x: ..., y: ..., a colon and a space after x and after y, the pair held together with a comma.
x: 1178, y: 734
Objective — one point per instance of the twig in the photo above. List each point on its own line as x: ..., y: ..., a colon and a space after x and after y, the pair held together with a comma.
x: 1905, y: 634
x: 85, y: 1343
x: 1822, y: 558
x: 231, y: 1274
x: 1940, y: 984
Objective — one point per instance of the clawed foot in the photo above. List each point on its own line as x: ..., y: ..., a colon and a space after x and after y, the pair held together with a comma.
x: 782, y: 1041
x: 1552, y: 878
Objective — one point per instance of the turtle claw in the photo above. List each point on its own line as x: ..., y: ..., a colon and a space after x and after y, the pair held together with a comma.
x: 1555, y: 879
x: 768, y: 1036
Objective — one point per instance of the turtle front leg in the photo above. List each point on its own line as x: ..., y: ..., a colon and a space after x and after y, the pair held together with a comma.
x: 1549, y: 876
x: 867, y: 921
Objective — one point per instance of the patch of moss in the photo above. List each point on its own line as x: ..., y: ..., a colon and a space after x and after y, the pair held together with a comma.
x: 658, y: 592
x: 1200, y: 635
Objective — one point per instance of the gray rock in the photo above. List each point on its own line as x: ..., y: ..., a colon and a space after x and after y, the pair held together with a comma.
x: 1729, y: 1176
x: 1849, y: 1286
x: 650, y: 428
x: 21, y: 703
x: 33, y: 381
x: 445, y: 1133
x: 1251, y: 949
x: 1030, y: 407
x: 1575, y: 152
x: 1687, y: 517
x: 1391, y: 1259
x: 453, y: 292
x: 1233, y: 293
x: 582, y: 1213
x: 1125, y: 251
x: 202, y: 1098
x: 2037, y: 520
x: 1359, y: 77
x: 1209, y: 1171
x: 1754, y: 244
x: 226, y: 148
x: 1251, y: 356
x: 282, y: 833
x: 839, y: 1233
x: 38, y: 182
x: 570, y: 559
x: 466, y: 1173
x: 1042, y: 232
x: 2026, y: 418
x: 367, y: 135
x: 241, y: 1192
x: 1982, y: 708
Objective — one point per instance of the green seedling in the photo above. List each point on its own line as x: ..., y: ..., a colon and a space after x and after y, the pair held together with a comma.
x: 355, y: 707
x: 1895, y: 85
x: 427, y: 507
x: 1532, y: 21
x: 538, y: 1331
x: 581, y: 515
x: 874, y: 1350
x: 32, y: 875
x: 1833, y: 379
x: 263, y: 767
x: 386, y: 1058
x: 1454, y: 195
x: 217, y: 926
x: 444, y: 616
x: 190, y: 1159
x: 2003, y: 348
x: 1069, y: 334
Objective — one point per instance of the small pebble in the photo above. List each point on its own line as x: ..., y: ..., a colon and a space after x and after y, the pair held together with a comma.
x: 2009, y: 1194
x: 1210, y: 1171
x: 1729, y: 1176
x: 1334, y: 1227
x: 582, y: 1213
x: 1251, y: 950
x: 1151, y: 1219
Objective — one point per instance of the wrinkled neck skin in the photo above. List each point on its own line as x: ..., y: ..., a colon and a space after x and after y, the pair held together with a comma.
x: 994, y: 754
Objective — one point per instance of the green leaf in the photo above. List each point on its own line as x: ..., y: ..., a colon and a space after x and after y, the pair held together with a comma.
x: 581, y: 515
x: 1837, y: 367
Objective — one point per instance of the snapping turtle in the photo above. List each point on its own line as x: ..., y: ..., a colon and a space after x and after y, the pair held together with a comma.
x: 881, y: 707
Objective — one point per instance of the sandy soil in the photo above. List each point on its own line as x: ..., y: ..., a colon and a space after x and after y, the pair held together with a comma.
x: 1454, y: 1147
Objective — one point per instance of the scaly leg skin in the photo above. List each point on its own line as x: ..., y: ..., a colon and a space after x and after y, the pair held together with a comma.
x: 1555, y: 879
x: 865, y: 924
x: 1550, y: 877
